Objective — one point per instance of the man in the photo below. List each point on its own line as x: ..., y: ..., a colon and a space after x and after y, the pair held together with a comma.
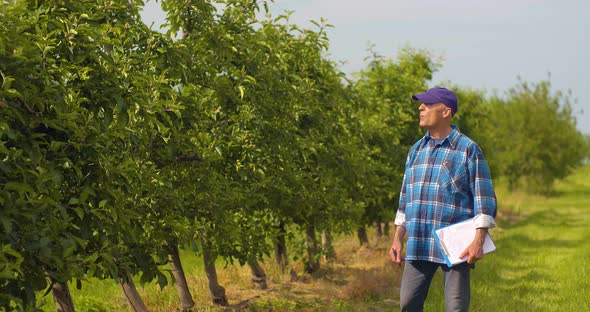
x: 446, y: 181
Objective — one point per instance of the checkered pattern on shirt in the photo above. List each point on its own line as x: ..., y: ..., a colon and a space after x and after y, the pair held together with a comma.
x: 443, y: 185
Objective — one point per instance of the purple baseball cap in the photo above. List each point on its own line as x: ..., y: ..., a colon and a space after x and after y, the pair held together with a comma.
x: 439, y: 95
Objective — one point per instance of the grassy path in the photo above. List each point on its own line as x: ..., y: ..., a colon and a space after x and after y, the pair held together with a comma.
x: 543, y: 257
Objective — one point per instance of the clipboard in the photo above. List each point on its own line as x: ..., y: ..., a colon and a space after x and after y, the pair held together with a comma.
x: 455, y: 238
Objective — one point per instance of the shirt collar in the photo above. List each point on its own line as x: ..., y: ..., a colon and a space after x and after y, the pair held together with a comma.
x: 451, y: 138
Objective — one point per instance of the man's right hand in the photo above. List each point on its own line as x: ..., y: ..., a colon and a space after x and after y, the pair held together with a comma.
x: 398, y: 245
x: 396, y: 252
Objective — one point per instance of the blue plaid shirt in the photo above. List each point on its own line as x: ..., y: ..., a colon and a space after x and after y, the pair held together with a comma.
x: 443, y: 184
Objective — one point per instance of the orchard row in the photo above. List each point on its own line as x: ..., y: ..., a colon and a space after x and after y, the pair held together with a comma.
x: 232, y: 133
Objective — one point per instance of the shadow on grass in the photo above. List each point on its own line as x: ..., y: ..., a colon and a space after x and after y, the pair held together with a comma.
x: 549, y: 218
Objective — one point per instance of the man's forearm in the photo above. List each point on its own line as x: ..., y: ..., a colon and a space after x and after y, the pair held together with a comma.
x: 400, y: 232
x: 480, y: 235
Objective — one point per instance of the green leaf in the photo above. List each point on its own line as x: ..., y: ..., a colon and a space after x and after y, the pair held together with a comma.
x: 241, y: 88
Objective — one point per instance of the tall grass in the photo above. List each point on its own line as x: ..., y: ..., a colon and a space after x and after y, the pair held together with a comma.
x: 541, y: 264
x: 359, y: 278
x: 106, y: 295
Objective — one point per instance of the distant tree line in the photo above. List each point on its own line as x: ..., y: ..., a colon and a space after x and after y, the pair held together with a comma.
x: 120, y: 144
x: 529, y: 134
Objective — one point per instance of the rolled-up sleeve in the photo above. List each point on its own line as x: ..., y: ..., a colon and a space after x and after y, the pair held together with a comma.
x: 484, y: 221
x: 400, y: 218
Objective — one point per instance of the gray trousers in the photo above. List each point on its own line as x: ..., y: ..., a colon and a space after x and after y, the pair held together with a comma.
x: 416, y: 281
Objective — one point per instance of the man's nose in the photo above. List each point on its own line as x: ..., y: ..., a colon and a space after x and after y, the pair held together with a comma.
x: 422, y: 107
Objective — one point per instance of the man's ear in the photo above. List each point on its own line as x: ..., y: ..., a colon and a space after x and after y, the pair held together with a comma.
x: 448, y: 113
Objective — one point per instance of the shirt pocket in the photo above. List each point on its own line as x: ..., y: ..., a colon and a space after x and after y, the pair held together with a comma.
x: 452, y: 176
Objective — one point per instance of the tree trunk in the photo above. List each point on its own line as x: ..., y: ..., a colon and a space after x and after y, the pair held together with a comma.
x: 327, y: 247
x: 184, y: 294
x: 216, y: 292
x: 378, y: 230
x: 362, y: 235
x: 293, y: 275
x: 131, y: 294
x: 378, y: 233
x: 312, y: 263
x: 258, y: 275
x: 281, y: 248
x: 386, y: 229
x: 62, y: 297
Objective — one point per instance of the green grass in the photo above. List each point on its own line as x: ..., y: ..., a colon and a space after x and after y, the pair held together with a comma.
x: 106, y: 295
x: 541, y: 264
x: 543, y: 256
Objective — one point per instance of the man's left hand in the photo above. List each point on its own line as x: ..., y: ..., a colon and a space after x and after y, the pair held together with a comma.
x: 474, y: 251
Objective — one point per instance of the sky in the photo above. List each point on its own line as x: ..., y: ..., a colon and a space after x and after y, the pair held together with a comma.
x: 483, y: 44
